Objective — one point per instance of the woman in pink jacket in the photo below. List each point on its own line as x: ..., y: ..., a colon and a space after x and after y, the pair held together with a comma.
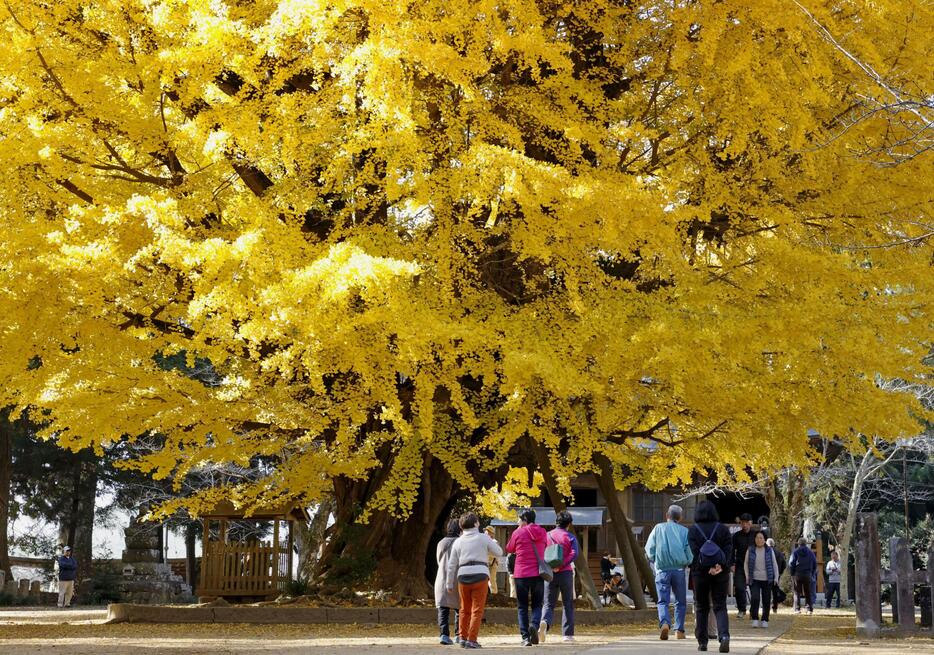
x: 563, y: 581
x: 528, y: 543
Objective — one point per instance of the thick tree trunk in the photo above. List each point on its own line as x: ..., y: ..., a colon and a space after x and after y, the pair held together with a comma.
x: 606, y: 481
x: 846, y: 543
x: 77, y: 527
x: 310, y: 539
x: 785, y: 497
x: 581, y: 563
x: 6, y: 471
x: 642, y: 561
x: 387, y: 552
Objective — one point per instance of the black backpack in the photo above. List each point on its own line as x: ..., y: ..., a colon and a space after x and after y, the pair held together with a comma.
x: 710, y: 554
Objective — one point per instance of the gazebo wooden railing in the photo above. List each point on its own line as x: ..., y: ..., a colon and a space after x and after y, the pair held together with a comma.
x: 255, y: 569
x: 235, y: 569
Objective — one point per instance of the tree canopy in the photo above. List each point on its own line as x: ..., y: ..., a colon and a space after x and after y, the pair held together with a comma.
x: 404, y: 233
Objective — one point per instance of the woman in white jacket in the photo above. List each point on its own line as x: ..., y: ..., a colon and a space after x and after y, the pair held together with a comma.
x: 447, y: 602
x: 468, y: 567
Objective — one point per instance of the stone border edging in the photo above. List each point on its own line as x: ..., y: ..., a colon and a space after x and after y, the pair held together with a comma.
x: 130, y: 613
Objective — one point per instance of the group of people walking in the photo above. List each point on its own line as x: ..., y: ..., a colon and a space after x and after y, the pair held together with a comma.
x: 464, y: 576
x: 541, y: 564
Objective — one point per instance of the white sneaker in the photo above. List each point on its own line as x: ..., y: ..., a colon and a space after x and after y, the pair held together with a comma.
x: 568, y: 638
x: 542, y: 632
x: 764, y: 624
x: 755, y: 624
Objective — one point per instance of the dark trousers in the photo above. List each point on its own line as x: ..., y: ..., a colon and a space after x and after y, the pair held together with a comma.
x: 803, y: 593
x: 707, y: 587
x: 529, y: 591
x: 563, y: 582
x: 739, y: 588
x: 832, y: 588
x: 760, y: 590
x: 444, y: 620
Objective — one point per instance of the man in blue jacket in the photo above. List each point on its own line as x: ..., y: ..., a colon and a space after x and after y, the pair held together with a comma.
x: 802, y: 566
x: 67, y: 572
x: 669, y: 552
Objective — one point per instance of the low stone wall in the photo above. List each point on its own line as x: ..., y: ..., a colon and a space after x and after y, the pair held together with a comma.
x: 129, y: 613
x: 27, y: 592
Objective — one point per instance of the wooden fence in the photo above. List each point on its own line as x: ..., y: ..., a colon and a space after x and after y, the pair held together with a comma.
x: 902, y: 576
x: 254, y: 569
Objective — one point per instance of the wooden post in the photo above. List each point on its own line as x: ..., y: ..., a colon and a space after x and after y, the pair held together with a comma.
x: 819, y: 554
x: 291, y: 561
x: 930, y: 572
x: 868, y: 585
x: 903, y: 570
x: 206, y: 573
x: 276, y: 554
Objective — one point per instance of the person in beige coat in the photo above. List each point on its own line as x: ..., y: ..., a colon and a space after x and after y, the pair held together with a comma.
x: 447, y: 602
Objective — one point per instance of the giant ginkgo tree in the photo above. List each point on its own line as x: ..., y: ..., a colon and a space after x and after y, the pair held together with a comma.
x: 419, y: 243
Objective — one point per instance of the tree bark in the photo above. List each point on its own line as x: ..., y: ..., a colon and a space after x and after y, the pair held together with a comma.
x: 642, y: 561
x: 581, y: 563
x: 846, y: 543
x: 606, y: 481
x: 387, y: 552
x: 84, y: 523
x: 310, y: 538
x: 77, y: 527
x: 6, y: 471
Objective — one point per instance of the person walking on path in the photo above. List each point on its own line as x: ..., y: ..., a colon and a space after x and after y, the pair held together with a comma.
x: 712, y: 550
x: 67, y: 572
x: 778, y: 595
x: 563, y: 580
x: 669, y: 553
x: 528, y: 543
x: 447, y: 602
x: 833, y: 570
x: 743, y: 539
x: 802, y: 566
x: 468, y: 565
x: 761, y: 570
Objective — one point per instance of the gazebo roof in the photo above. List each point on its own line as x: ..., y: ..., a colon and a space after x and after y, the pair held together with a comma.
x: 285, y: 512
x: 583, y: 516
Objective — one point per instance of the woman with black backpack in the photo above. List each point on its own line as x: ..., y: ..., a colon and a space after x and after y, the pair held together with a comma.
x: 713, y: 550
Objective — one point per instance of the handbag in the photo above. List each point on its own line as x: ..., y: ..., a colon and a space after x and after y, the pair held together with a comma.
x: 544, y: 571
x: 778, y: 595
x: 554, y: 554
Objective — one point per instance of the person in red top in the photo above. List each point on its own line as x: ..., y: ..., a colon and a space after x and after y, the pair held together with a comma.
x: 528, y: 543
x: 563, y: 580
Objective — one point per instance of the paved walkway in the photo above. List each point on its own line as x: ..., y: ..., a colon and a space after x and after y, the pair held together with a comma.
x: 744, y: 643
x: 18, y: 615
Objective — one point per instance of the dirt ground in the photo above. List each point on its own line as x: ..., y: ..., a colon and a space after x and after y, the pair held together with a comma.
x: 197, y: 639
x: 83, y: 633
x: 835, y: 634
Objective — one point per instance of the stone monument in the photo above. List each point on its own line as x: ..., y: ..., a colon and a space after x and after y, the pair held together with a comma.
x: 145, y: 578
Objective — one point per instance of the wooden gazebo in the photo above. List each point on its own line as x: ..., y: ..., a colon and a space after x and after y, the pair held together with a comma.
x: 252, y: 569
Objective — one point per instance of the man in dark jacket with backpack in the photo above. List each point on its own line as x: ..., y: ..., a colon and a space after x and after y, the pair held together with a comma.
x: 712, y: 548
x: 802, y: 566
